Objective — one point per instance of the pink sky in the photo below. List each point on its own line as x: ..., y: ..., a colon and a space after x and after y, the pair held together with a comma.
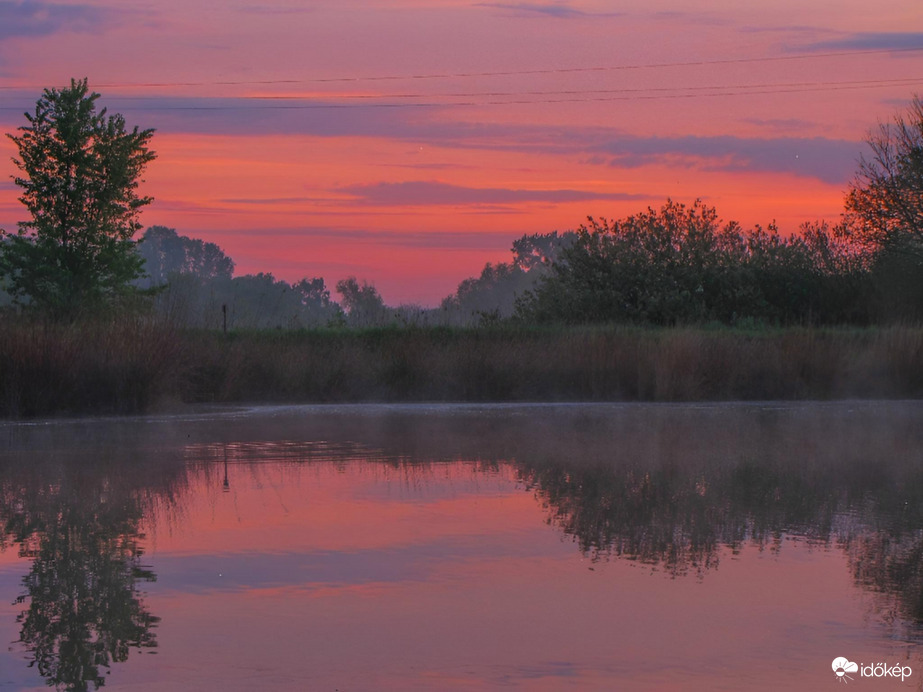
x: 409, y: 142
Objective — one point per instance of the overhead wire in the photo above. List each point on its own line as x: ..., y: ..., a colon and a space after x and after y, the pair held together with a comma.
x: 496, y: 73
x: 546, y: 92
x: 508, y: 97
x: 495, y: 97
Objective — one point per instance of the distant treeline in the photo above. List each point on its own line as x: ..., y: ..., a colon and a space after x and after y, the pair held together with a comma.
x: 674, y: 265
x: 677, y: 265
x: 193, y: 284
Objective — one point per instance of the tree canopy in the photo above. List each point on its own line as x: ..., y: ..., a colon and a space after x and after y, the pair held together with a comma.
x: 885, y: 201
x: 81, y: 170
x: 884, y: 213
x: 680, y: 264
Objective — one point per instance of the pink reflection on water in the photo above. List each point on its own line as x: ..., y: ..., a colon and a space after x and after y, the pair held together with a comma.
x: 353, y: 575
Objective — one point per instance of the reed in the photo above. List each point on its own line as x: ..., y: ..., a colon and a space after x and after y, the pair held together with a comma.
x: 555, y: 364
x: 123, y: 365
x: 136, y: 364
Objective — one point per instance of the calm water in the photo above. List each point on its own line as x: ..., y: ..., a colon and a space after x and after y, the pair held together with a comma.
x: 585, y: 547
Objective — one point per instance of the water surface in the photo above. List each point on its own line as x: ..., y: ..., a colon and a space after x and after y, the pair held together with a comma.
x: 547, y: 547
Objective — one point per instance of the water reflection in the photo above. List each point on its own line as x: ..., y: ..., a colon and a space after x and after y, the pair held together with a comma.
x: 855, y: 485
x: 671, y: 487
x: 683, y: 523
x: 675, y: 489
x: 78, y: 519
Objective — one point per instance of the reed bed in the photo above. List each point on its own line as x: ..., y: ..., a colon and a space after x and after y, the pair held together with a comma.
x: 556, y: 364
x: 136, y: 365
x: 127, y: 365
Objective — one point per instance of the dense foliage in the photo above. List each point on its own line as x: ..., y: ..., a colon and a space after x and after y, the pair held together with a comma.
x: 80, y: 174
x: 680, y: 265
x: 884, y: 214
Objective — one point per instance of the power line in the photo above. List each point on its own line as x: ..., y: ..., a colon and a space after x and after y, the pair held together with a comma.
x: 512, y: 97
x: 613, y: 68
x: 906, y: 81
x: 500, y: 73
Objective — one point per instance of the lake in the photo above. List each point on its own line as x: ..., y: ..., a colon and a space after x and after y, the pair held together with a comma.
x: 466, y: 547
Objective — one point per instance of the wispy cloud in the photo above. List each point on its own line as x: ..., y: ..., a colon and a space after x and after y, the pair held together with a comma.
x: 273, y: 201
x: 787, y: 29
x: 780, y: 151
x: 556, y: 10
x: 44, y: 18
x: 416, y: 193
x: 697, y: 17
x: 866, y: 41
x: 231, y: 116
x: 782, y: 125
x: 428, y: 238
x: 828, y: 160
x: 273, y: 11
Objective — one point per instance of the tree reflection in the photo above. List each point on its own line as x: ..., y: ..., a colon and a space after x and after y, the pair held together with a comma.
x: 673, y: 487
x: 679, y: 487
x: 675, y: 518
x: 683, y: 518
x: 79, y: 519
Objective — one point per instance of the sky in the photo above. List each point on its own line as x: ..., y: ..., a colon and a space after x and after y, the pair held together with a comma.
x: 408, y: 142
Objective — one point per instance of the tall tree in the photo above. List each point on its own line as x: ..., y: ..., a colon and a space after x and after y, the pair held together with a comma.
x: 884, y: 213
x: 885, y: 201
x: 80, y: 175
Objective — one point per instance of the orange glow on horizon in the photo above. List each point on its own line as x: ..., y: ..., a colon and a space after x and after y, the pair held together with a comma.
x: 460, y: 127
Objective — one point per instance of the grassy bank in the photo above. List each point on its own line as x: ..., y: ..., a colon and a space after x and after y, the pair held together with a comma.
x: 136, y: 365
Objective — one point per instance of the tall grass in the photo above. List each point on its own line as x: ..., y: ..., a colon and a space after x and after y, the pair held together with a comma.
x: 118, y: 365
x: 510, y: 364
x: 135, y: 364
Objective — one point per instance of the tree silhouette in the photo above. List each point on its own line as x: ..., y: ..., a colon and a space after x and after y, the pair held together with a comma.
x: 363, y: 304
x: 885, y: 200
x: 884, y: 213
x: 166, y: 253
x: 81, y: 171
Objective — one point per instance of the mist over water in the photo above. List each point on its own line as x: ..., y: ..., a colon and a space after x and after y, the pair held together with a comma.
x: 462, y: 546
